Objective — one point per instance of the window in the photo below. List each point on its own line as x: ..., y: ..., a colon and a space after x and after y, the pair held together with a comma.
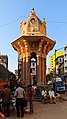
x: 60, y: 59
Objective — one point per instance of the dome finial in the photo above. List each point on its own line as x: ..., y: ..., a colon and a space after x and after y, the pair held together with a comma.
x: 33, y: 8
x: 33, y: 12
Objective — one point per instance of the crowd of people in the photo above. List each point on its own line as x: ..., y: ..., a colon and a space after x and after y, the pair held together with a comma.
x: 21, y: 95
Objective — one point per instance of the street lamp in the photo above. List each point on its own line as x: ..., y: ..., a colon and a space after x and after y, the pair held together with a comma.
x: 55, y: 65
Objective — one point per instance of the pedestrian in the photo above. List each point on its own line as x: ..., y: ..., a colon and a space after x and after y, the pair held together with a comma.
x: 19, y: 95
x: 30, y: 97
x: 44, y: 95
x: 52, y: 96
x: 6, y: 97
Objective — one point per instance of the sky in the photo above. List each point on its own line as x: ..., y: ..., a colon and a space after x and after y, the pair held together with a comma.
x: 12, y: 12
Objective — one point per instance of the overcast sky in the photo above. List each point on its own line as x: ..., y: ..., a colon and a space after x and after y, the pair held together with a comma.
x: 12, y: 12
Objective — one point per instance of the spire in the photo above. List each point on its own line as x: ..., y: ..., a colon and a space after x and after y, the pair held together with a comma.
x: 33, y: 12
x: 33, y: 8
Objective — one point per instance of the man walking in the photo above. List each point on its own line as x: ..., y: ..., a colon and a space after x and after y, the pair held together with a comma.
x: 19, y: 94
x: 6, y: 96
x: 30, y: 97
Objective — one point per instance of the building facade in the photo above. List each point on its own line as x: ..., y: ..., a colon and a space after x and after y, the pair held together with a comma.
x: 4, y: 73
x: 4, y: 60
x: 60, y: 65
x: 65, y: 60
x: 59, y: 55
x: 33, y: 46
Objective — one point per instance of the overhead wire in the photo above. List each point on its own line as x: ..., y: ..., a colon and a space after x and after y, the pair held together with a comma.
x: 11, y: 22
x: 17, y: 18
x: 60, y: 22
x: 27, y: 7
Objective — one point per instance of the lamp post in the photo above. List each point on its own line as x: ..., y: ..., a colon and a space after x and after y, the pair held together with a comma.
x: 55, y: 65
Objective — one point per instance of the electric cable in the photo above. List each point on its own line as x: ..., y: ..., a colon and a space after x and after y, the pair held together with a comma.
x: 17, y: 18
x: 59, y: 22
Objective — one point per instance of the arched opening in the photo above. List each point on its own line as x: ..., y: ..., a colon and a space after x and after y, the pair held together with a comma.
x: 33, y: 68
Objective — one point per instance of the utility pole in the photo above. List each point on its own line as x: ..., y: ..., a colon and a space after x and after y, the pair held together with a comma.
x: 55, y: 70
x: 55, y: 65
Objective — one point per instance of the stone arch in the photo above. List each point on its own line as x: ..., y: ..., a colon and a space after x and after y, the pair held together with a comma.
x: 33, y: 55
x: 33, y: 68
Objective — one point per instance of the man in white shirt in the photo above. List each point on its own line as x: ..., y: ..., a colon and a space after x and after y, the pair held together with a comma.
x: 19, y: 94
x: 44, y: 95
x: 52, y: 96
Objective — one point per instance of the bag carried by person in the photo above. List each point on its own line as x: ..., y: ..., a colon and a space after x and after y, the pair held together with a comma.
x: 25, y: 102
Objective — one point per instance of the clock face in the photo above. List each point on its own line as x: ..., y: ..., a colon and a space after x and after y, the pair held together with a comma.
x: 33, y: 25
x: 32, y: 20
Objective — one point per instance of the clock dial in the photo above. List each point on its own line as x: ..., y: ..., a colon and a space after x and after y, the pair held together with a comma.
x: 32, y: 20
x: 33, y: 25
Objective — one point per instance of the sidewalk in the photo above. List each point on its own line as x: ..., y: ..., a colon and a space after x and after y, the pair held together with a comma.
x: 47, y: 111
x: 64, y: 96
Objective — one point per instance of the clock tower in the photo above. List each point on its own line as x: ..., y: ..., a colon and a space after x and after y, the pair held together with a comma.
x: 32, y: 47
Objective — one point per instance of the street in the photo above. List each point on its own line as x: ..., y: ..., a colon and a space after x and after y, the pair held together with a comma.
x: 47, y: 111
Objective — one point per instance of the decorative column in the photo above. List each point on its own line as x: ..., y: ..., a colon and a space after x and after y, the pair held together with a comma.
x: 45, y: 52
x: 22, y: 70
x: 44, y: 71
x: 37, y: 69
x: 25, y: 69
x: 41, y: 70
x: 28, y: 80
x: 40, y: 78
x: 26, y: 66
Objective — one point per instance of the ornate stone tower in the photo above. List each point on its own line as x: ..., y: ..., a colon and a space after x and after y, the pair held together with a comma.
x: 33, y: 46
